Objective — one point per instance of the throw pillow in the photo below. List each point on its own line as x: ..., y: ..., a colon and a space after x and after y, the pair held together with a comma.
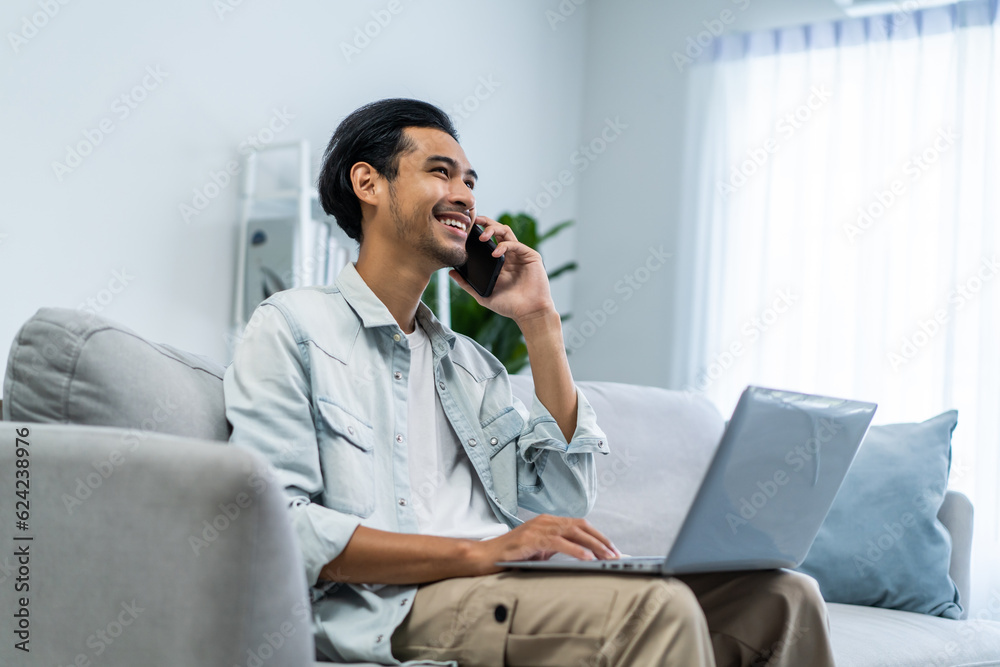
x: 882, y: 544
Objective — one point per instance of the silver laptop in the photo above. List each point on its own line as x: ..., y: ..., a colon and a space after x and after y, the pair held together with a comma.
x: 778, y: 467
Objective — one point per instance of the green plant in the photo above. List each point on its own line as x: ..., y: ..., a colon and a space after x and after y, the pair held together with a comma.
x: 498, y: 334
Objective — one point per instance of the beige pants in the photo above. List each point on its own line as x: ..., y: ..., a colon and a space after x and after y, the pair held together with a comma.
x: 774, y: 618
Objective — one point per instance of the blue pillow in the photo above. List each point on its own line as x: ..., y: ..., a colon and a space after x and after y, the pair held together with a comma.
x: 882, y: 544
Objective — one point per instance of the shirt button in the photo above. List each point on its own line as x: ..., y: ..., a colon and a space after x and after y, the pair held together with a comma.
x: 397, y: 375
x: 493, y: 441
x: 441, y: 385
x: 472, y: 442
x: 402, y: 502
x: 500, y: 613
x: 600, y: 443
x: 399, y: 437
x: 395, y: 337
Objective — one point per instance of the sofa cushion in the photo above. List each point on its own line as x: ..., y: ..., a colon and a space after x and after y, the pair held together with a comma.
x: 72, y: 367
x: 882, y: 543
x: 870, y: 637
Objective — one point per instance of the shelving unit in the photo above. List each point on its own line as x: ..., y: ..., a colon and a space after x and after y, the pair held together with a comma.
x: 285, y: 238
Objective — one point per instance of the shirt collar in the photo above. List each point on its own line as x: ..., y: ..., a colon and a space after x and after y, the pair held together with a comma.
x: 373, y: 313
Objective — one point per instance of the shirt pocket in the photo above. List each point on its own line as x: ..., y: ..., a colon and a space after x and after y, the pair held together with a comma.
x: 501, y: 430
x: 347, y: 459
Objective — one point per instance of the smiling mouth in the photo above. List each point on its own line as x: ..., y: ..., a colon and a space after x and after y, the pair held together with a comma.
x: 454, y: 221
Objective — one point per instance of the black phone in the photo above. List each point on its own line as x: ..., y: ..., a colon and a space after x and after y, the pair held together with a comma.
x: 482, y: 268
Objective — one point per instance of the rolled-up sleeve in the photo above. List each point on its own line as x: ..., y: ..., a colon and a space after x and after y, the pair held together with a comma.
x: 267, y: 396
x: 556, y: 476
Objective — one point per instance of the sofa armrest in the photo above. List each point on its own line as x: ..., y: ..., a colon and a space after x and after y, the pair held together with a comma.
x: 956, y: 514
x: 168, y: 551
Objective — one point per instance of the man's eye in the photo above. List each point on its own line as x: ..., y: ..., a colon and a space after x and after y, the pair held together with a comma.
x: 443, y: 170
x: 471, y: 184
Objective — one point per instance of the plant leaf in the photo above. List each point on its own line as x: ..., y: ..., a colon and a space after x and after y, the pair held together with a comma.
x: 568, y: 266
x: 555, y: 229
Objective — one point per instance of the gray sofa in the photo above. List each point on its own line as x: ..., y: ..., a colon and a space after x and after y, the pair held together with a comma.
x: 154, y: 545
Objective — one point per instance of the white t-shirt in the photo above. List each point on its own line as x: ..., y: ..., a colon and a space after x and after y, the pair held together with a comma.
x: 447, y: 495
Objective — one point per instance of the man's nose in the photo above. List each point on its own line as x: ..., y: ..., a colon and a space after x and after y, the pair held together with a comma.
x: 461, y: 195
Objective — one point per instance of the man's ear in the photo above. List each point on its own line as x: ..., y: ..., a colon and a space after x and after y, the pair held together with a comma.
x: 366, y: 182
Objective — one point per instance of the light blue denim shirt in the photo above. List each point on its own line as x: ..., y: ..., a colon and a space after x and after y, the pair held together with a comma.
x: 318, y: 385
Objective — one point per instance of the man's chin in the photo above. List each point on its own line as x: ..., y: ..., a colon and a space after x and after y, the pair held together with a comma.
x: 451, y: 258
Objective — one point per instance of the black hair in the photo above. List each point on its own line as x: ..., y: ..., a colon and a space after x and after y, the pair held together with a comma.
x: 372, y: 134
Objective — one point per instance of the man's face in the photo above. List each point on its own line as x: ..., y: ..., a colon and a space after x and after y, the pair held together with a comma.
x: 430, y: 201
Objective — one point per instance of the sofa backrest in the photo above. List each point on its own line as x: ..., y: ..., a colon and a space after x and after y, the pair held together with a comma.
x: 72, y: 367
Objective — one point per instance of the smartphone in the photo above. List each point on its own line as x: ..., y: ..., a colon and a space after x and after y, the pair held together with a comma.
x: 482, y: 268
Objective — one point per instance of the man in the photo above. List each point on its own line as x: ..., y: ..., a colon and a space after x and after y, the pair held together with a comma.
x: 405, y: 456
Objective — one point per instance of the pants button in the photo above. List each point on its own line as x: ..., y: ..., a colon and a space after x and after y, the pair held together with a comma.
x: 500, y: 613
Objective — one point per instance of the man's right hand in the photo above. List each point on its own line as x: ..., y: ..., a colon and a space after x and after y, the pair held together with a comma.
x: 381, y: 557
x: 542, y: 537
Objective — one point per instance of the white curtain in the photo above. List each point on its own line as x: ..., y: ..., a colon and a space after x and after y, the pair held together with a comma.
x: 839, y: 230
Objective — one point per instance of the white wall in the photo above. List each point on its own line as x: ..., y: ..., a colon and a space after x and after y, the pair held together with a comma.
x: 61, y: 241
x: 629, y: 198
x: 563, y: 71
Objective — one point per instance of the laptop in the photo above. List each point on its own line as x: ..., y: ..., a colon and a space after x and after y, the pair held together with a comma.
x: 770, y: 485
